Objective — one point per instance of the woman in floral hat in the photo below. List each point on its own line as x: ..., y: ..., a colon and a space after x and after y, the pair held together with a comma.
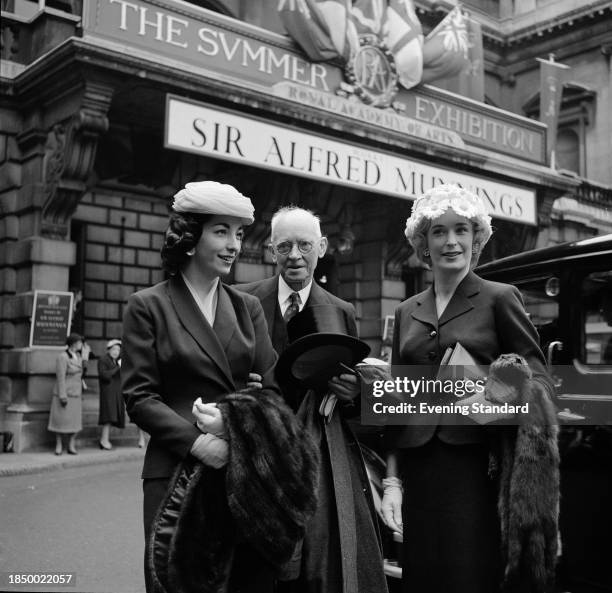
x: 477, y: 504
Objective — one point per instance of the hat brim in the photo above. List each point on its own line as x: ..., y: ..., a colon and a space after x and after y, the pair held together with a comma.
x: 312, y: 360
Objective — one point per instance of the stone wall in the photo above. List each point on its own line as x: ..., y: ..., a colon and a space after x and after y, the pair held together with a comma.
x: 121, y: 239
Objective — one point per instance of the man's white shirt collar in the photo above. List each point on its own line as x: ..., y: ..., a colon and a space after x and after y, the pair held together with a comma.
x: 285, y: 291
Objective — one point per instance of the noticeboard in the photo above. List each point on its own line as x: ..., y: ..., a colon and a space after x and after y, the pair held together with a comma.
x: 51, y: 318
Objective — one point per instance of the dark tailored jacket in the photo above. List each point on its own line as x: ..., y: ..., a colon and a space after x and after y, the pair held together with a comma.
x: 488, y: 319
x: 109, y: 372
x: 267, y: 292
x: 172, y: 356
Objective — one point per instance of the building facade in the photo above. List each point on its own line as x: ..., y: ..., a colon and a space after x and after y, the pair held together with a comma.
x: 109, y: 106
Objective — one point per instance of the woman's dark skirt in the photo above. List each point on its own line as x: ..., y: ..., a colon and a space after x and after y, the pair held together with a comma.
x: 451, y: 527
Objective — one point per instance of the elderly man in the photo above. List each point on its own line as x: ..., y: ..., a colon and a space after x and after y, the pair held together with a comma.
x: 341, y: 552
x: 297, y: 245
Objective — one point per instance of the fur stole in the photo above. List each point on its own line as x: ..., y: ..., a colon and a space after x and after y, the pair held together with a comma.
x: 525, y: 458
x: 264, y: 496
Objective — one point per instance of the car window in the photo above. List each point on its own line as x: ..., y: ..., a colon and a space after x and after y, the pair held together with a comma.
x: 542, y: 305
x: 596, y: 297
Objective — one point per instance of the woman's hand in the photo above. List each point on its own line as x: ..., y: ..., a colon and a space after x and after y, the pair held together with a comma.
x: 211, y: 450
x: 255, y: 381
x: 208, y: 418
x: 391, y: 505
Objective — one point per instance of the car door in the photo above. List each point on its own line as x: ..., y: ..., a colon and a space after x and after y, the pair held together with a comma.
x: 582, y: 366
x: 570, y: 303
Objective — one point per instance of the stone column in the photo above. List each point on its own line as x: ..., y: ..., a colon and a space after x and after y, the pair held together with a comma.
x: 48, y: 158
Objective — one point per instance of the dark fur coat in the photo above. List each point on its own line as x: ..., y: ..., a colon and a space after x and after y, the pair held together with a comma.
x: 525, y: 460
x: 264, y: 497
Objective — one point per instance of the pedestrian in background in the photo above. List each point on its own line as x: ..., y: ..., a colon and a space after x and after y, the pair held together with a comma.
x: 65, y: 415
x: 112, y: 408
x: 76, y: 324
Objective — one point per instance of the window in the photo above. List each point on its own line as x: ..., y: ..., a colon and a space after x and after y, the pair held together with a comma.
x: 23, y: 8
x: 543, y: 309
x: 596, y: 296
x: 568, y: 150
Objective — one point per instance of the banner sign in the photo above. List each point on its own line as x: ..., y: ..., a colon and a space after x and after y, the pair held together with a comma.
x: 196, y: 37
x: 552, y: 75
x: 202, y: 42
x: 51, y: 318
x: 207, y: 130
x: 385, y: 118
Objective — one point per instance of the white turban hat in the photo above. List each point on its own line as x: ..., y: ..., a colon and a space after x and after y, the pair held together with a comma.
x: 211, y: 197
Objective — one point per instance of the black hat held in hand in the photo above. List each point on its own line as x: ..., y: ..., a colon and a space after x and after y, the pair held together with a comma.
x: 318, y: 343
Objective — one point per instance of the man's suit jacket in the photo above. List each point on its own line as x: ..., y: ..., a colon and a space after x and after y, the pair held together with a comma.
x: 172, y: 356
x: 267, y: 293
x: 488, y: 319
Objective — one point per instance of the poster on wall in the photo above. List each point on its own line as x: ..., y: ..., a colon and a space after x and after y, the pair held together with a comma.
x: 51, y: 319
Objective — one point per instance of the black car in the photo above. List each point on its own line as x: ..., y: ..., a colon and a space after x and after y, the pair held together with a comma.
x: 568, y: 294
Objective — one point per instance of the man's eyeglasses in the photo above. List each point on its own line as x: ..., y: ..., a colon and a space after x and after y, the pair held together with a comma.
x: 285, y: 247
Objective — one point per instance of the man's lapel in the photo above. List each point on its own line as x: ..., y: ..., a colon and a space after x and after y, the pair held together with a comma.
x: 196, y: 325
x: 317, y: 296
x: 267, y: 293
x: 268, y: 297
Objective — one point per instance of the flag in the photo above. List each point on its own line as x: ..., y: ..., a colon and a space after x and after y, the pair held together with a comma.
x: 322, y: 28
x: 368, y: 16
x: 403, y: 36
x: 446, y: 48
x: 470, y: 81
x: 552, y: 75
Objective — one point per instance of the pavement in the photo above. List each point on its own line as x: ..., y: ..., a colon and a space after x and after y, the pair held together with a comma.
x: 15, y: 464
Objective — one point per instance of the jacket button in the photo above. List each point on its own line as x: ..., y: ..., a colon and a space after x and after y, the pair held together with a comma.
x: 433, y: 333
x: 432, y: 355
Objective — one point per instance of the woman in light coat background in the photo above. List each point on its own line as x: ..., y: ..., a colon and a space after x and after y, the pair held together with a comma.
x: 66, y: 413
